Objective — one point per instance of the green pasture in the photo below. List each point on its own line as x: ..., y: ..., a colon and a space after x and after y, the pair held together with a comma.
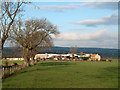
x: 12, y: 62
x: 62, y: 74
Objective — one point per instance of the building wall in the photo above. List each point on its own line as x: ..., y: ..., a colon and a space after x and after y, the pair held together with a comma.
x: 15, y: 59
x: 45, y: 55
x: 97, y: 57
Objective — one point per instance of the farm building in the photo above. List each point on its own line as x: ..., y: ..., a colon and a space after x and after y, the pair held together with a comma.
x: 55, y: 56
x: 15, y: 59
x: 85, y: 55
x: 92, y: 57
x: 95, y: 57
x: 41, y: 56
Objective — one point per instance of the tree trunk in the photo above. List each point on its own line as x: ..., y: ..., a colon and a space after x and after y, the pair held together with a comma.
x: 0, y: 46
x: 26, y: 56
x: 3, y: 41
x: 32, y: 61
x: 27, y: 60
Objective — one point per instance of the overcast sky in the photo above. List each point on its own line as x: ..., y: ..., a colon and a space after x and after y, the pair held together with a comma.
x: 81, y: 24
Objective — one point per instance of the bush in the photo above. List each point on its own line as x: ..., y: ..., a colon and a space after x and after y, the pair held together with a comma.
x: 6, y: 63
x: 15, y: 64
x: 85, y: 58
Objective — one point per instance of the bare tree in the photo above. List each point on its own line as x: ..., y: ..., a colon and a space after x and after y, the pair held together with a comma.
x: 81, y: 53
x: 73, y: 50
x: 32, y: 35
x: 9, y: 13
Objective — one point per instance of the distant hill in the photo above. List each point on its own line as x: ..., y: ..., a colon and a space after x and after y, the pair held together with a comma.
x: 104, y: 52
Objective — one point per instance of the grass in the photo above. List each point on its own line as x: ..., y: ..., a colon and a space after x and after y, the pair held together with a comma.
x: 12, y: 62
x: 56, y: 74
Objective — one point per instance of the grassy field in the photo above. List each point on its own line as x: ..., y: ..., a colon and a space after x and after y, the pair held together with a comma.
x: 12, y: 62
x: 56, y: 74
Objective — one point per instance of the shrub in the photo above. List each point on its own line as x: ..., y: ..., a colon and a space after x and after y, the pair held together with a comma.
x: 85, y: 58
x: 6, y: 63
x: 15, y: 64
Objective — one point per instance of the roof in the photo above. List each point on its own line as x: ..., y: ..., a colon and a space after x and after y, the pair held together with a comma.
x: 93, y: 55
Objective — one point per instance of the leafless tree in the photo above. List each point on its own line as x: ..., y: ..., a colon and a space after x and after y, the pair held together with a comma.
x: 73, y: 50
x: 9, y: 13
x: 32, y: 35
x: 81, y: 53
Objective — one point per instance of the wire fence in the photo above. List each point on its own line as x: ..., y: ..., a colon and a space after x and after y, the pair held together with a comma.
x: 8, y: 71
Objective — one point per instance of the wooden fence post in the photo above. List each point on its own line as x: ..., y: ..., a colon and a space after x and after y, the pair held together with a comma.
x: 3, y: 72
x: 10, y: 71
x: 13, y: 69
x: 6, y: 71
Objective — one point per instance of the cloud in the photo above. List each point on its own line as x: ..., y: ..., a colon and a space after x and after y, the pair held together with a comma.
x: 59, y: 26
x: 105, y: 20
x: 64, y: 0
x: 88, y: 43
x: 71, y: 6
x: 57, y: 8
x: 79, y: 29
x: 102, y: 1
x: 101, y: 5
x: 76, y: 36
x: 100, y: 39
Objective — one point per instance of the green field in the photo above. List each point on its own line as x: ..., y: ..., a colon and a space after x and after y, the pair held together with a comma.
x: 12, y: 62
x: 56, y: 74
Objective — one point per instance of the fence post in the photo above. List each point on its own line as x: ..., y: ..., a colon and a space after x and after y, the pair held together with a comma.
x: 3, y: 73
x: 6, y: 72
x: 10, y: 71
x: 13, y: 69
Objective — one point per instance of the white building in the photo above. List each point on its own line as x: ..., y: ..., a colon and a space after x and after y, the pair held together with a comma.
x: 86, y: 55
x: 15, y: 59
x: 95, y: 57
x: 38, y: 56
